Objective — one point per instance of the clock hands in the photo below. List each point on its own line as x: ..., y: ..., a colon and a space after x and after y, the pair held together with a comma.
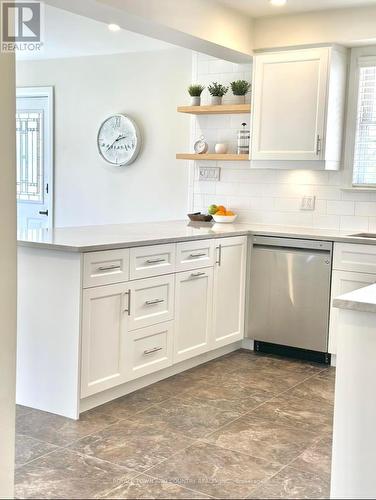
x: 116, y: 140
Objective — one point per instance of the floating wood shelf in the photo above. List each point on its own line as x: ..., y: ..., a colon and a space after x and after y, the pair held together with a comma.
x: 212, y: 156
x: 233, y: 109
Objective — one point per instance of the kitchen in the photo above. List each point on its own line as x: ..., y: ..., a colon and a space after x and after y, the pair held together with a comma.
x: 129, y: 314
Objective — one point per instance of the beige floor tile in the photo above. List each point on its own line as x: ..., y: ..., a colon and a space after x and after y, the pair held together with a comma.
x: 133, y: 444
x: 28, y: 448
x: 144, y: 486
x: 263, y: 438
x: 215, y: 471
x: 316, y: 459
x: 68, y: 475
x: 189, y: 417
x: 290, y: 484
x: 58, y: 430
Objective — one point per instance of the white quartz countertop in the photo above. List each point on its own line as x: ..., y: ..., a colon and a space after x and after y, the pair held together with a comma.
x: 363, y: 299
x: 95, y: 238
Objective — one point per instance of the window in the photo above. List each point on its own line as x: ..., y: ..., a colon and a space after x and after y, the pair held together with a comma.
x: 34, y: 136
x: 364, y: 170
x: 29, y: 125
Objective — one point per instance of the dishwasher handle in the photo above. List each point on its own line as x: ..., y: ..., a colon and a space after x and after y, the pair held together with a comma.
x: 292, y: 243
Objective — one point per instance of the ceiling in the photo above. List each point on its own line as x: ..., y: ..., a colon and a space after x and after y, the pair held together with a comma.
x: 70, y: 35
x: 261, y: 8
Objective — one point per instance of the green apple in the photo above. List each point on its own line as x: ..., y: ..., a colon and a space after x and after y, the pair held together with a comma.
x: 213, y: 209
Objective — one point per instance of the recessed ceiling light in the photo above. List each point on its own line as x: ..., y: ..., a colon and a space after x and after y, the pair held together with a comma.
x: 113, y: 27
x: 278, y: 3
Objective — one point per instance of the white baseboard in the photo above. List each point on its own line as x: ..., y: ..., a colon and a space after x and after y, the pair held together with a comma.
x: 134, y: 385
x: 248, y: 344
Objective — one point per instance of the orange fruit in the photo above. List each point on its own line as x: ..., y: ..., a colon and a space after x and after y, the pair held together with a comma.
x: 230, y: 213
x: 220, y: 212
x: 221, y: 208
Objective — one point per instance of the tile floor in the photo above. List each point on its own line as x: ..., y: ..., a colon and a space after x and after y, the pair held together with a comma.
x: 242, y: 426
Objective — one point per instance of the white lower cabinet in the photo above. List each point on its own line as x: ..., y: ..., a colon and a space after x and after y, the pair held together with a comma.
x: 344, y: 282
x: 135, y: 328
x: 229, y: 291
x: 104, y: 330
x: 149, y: 349
x: 193, y: 313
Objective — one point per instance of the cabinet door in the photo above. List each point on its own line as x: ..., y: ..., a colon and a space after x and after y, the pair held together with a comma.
x: 344, y: 282
x: 104, y: 329
x: 229, y: 291
x: 289, y: 105
x: 193, y: 313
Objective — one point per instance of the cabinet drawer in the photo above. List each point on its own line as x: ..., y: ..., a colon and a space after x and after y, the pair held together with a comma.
x: 353, y: 257
x: 151, y: 301
x: 152, y: 261
x: 149, y: 350
x: 105, y: 268
x: 195, y: 254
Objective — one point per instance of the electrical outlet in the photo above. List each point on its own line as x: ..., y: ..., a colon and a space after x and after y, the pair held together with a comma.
x: 209, y: 173
x: 308, y: 203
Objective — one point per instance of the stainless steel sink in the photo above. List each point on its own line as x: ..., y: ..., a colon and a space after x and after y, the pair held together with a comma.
x: 364, y: 235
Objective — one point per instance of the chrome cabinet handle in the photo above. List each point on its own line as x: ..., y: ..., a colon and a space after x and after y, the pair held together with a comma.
x: 155, y: 261
x: 152, y: 351
x: 155, y: 301
x: 196, y: 275
x: 196, y: 255
x: 109, y: 268
x: 219, y: 261
x: 318, y: 145
x: 128, y: 310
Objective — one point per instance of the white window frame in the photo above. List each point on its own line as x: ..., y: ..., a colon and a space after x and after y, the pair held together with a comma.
x: 49, y: 93
x: 352, y: 114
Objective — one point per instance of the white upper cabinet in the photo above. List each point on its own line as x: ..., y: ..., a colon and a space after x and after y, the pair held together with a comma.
x: 298, y: 109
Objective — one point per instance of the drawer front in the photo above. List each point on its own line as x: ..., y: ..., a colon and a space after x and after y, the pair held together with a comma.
x: 152, y: 261
x: 151, y: 301
x: 149, y: 350
x: 105, y: 268
x: 353, y: 257
x: 195, y: 255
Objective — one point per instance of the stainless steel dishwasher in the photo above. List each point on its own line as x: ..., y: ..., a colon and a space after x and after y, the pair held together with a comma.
x: 289, y: 298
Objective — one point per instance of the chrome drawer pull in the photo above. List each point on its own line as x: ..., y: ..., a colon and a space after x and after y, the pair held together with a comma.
x: 197, y: 275
x: 128, y: 310
x: 196, y: 255
x: 152, y: 351
x: 109, y: 268
x: 155, y: 301
x: 155, y: 261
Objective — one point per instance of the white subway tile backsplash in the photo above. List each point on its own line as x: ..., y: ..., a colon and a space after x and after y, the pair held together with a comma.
x: 340, y: 207
x: 366, y: 209
x: 270, y: 196
x: 354, y: 223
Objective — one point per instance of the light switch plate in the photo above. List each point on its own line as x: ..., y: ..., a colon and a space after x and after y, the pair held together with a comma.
x: 209, y: 173
x: 308, y: 203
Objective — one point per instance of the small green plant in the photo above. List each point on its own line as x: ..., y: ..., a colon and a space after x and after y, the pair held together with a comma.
x: 240, y: 87
x: 195, y: 90
x: 217, y: 89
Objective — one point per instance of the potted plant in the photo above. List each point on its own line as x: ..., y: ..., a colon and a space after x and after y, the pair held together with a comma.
x: 217, y: 91
x: 195, y: 91
x: 239, y: 89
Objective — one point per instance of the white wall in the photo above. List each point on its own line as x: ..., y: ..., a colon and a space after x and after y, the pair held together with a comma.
x: 270, y: 196
x: 148, y: 86
x: 343, y: 26
x: 8, y: 274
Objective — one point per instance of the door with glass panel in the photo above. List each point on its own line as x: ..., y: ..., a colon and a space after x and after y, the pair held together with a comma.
x: 34, y: 158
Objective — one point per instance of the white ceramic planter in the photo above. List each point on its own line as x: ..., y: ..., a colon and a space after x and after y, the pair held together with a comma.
x: 195, y: 101
x: 239, y: 99
x: 216, y: 100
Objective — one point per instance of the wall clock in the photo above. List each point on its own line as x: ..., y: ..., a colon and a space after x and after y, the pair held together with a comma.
x: 119, y: 140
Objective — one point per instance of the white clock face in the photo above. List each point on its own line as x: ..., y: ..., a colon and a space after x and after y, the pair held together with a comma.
x: 119, y: 140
